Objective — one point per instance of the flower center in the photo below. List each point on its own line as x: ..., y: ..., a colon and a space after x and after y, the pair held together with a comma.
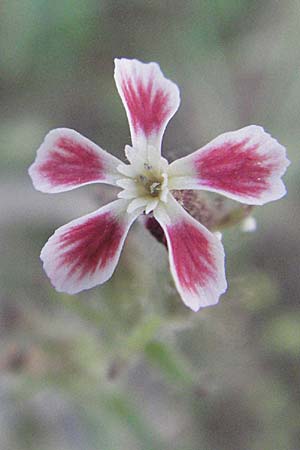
x: 151, y: 184
x: 146, y: 182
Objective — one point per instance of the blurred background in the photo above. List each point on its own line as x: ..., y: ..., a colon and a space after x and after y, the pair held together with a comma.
x: 126, y: 365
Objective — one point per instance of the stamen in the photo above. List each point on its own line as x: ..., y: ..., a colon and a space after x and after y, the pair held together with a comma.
x: 145, y: 182
x: 154, y: 188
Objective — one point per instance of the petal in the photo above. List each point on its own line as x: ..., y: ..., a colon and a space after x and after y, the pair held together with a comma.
x: 245, y: 165
x: 149, y: 98
x: 151, y: 205
x: 67, y: 160
x: 196, y: 256
x: 85, y: 252
x: 137, y: 203
x: 126, y: 183
x: 127, y: 169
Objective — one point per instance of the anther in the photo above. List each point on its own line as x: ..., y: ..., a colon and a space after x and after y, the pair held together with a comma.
x: 154, y: 188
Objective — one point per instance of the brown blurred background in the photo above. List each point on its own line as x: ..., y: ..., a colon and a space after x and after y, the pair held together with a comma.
x: 126, y: 365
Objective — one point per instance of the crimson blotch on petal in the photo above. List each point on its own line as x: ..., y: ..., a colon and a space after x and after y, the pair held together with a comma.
x: 196, y: 256
x: 149, y: 98
x: 245, y: 165
x: 85, y: 252
x: 67, y: 160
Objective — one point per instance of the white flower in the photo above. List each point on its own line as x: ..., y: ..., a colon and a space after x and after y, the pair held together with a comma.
x: 245, y: 165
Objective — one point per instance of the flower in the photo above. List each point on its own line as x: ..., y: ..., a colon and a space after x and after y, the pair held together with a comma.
x: 245, y: 165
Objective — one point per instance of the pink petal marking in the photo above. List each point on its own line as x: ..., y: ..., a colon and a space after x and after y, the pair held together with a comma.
x: 147, y: 110
x: 90, y: 245
x: 245, y: 165
x: 85, y: 252
x: 149, y: 98
x: 196, y: 257
x: 187, y: 244
x: 236, y: 167
x: 67, y: 160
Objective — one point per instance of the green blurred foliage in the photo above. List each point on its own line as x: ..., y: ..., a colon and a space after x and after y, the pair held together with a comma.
x: 126, y: 365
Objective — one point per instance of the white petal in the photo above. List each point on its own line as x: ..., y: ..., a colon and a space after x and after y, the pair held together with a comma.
x: 245, y: 165
x: 137, y: 159
x: 127, y: 170
x: 126, y: 183
x: 128, y: 194
x: 85, y: 252
x: 149, y: 98
x: 151, y: 206
x: 196, y: 256
x: 154, y: 157
x: 136, y: 204
x: 67, y: 160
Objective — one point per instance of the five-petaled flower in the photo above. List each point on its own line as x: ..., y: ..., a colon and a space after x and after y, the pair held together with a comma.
x: 245, y: 165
